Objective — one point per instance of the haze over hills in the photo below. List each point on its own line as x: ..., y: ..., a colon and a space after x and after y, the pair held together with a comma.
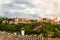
x: 30, y: 8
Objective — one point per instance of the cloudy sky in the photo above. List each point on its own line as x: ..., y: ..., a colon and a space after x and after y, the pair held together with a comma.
x: 30, y: 8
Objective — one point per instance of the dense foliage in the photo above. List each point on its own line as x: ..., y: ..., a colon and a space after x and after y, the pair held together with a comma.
x: 46, y: 28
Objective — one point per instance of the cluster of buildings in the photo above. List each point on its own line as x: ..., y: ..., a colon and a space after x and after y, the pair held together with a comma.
x: 17, y: 20
x: 48, y: 20
x: 25, y: 20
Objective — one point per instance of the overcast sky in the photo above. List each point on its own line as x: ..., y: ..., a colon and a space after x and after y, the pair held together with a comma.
x: 30, y: 8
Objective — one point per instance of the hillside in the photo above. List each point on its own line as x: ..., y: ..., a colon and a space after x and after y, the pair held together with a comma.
x: 33, y: 28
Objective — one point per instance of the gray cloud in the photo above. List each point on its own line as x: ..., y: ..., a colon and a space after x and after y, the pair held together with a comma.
x: 12, y: 9
x: 30, y: 8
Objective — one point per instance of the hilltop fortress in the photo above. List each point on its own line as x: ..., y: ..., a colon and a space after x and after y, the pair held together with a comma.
x: 26, y: 20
